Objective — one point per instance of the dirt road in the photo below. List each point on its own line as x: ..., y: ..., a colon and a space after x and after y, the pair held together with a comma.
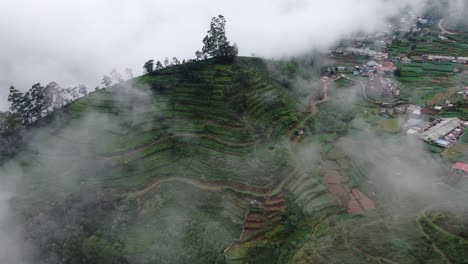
x: 443, y: 29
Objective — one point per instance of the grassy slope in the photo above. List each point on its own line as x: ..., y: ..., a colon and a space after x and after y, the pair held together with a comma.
x: 189, y: 156
x: 218, y: 130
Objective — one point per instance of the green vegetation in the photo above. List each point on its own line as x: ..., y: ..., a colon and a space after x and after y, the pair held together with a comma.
x: 237, y: 160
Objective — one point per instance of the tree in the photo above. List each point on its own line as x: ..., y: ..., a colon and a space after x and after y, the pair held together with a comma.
x: 159, y: 66
x: 215, y: 43
x: 9, y: 123
x: 79, y: 247
x: 129, y: 73
x: 41, y: 101
x: 175, y: 61
x: 18, y: 104
x: 148, y: 66
x: 166, y: 62
x: 82, y: 90
x: 199, y: 55
x: 106, y: 80
x: 72, y: 92
x: 116, y: 76
x: 56, y: 94
x: 31, y: 105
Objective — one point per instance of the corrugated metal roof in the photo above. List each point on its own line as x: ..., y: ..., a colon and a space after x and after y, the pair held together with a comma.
x: 441, y: 129
x: 460, y: 166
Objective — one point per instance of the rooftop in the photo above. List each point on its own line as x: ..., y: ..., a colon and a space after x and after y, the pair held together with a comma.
x: 460, y: 166
x: 441, y: 129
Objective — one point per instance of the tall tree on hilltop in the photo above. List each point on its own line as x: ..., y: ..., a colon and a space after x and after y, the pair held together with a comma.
x: 148, y: 66
x: 82, y: 89
x: 41, y: 102
x: 106, y: 80
x: 215, y: 42
x: 199, y: 55
x: 72, y: 93
x: 18, y: 104
x: 116, y: 76
x: 31, y: 105
x: 129, y: 73
x: 57, y: 94
x: 159, y: 66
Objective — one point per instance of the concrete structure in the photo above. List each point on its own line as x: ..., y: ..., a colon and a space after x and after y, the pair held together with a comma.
x: 442, y: 37
x: 462, y: 60
x: 405, y: 60
x: 440, y: 131
x: 372, y: 64
x: 439, y: 58
x: 380, y: 56
x: 363, y: 52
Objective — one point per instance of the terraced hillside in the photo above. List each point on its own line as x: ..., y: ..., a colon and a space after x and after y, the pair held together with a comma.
x: 177, y: 152
x: 196, y: 164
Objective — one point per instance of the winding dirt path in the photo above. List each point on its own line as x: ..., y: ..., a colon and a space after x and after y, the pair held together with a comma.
x: 440, y: 25
x: 208, y: 186
x: 313, y: 105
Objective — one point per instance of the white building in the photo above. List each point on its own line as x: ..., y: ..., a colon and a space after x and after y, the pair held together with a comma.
x: 462, y: 60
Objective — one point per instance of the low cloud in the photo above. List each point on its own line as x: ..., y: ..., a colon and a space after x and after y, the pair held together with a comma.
x: 76, y: 42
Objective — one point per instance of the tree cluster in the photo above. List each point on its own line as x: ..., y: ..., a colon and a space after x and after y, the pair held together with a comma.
x: 40, y: 100
x: 151, y: 66
x: 215, y: 43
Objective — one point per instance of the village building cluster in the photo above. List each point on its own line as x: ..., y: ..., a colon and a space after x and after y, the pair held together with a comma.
x: 442, y: 132
x: 440, y: 58
x: 377, y: 79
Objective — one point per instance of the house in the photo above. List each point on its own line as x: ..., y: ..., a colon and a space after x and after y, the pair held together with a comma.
x: 380, y: 56
x: 459, y: 171
x: 422, y: 21
x: 438, y: 58
x: 405, y: 60
x: 462, y: 60
x: 356, y: 51
x: 442, y: 37
x: 428, y: 111
x: 387, y: 67
x: 440, y: 131
x: 464, y: 93
x: 372, y: 64
x: 414, y: 110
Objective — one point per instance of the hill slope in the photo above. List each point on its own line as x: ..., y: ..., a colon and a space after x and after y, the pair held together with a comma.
x: 194, y: 164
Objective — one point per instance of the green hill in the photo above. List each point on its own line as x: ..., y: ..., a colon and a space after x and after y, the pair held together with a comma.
x: 195, y: 164
x: 198, y: 140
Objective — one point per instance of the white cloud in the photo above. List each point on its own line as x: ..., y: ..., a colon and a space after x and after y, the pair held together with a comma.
x: 73, y: 42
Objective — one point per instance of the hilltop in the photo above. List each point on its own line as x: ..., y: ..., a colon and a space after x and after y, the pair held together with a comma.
x: 187, y: 148
x: 209, y: 162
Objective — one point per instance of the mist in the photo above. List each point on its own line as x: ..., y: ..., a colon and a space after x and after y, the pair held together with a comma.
x: 77, y: 42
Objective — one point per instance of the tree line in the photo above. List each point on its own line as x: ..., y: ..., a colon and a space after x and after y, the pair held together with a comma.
x: 215, y: 45
x: 39, y: 101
